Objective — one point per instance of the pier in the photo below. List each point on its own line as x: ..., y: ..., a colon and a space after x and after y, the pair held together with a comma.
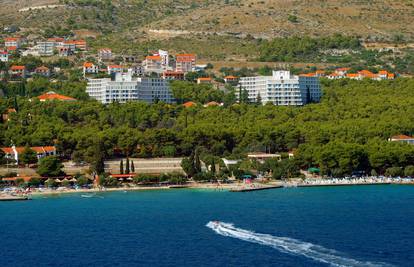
x: 250, y: 189
x: 14, y: 198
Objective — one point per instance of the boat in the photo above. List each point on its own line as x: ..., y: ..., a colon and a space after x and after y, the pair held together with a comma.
x: 88, y: 195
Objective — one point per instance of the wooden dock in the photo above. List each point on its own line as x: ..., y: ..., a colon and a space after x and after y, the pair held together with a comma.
x: 14, y: 198
x: 250, y: 189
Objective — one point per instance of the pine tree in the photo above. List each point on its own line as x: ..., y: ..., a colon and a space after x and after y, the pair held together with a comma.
x: 121, y: 167
x: 197, y: 162
x: 132, y: 167
x: 213, y: 167
x: 127, y: 166
x: 98, y: 160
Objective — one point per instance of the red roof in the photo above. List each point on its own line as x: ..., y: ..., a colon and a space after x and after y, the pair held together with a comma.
x: 54, y: 96
x: 11, y: 48
x: 15, y: 67
x: 185, y: 57
x: 204, y: 79
x: 157, y: 58
x: 189, y: 104
x: 42, y: 68
x: 11, y: 39
x: 88, y: 64
x: 402, y: 137
x: 115, y: 67
x: 308, y: 75
x: 230, y: 77
x: 343, y: 69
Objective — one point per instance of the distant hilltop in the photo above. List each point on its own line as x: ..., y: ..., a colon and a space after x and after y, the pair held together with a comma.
x: 379, y: 20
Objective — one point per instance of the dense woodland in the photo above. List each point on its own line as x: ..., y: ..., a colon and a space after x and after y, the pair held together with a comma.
x: 347, y: 131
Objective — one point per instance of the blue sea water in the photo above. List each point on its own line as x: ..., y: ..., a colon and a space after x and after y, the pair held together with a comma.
x: 321, y: 226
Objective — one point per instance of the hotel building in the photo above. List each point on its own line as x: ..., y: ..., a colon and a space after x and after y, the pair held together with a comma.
x: 282, y: 88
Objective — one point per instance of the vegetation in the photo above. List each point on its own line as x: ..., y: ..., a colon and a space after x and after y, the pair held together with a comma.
x: 346, y: 132
x: 50, y: 167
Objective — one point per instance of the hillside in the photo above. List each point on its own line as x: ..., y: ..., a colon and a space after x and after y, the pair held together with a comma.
x: 377, y: 20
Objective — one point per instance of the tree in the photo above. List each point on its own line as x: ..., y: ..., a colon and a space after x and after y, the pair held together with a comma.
x: 127, y: 166
x: 121, y: 167
x: 132, y: 167
x: 2, y: 157
x: 409, y: 171
x: 394, y: 172
x: 82, y: 180
x: 28, y: 156
x: 50, y: 167
x: 98, y: 158
x: 35, y: 182
x: 259, y: 99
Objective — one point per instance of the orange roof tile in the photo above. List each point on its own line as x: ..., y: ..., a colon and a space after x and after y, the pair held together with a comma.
x: 15, y: 67
x: 352, y: 75
x: 88, y: 64
x: 204, y: 79
x: 189, y: 104
x: 401, y: 137
x: 157, y: 58
x: 54, y: 96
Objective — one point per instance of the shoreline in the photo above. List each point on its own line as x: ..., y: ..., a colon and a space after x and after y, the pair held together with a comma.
x: 237, y: 187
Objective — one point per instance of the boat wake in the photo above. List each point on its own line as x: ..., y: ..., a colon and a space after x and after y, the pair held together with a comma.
x: 289, y: 245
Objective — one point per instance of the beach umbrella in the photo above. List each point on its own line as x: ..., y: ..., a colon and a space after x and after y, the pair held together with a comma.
x: 48, y: 180
x: 73, y: 180
x: 58, y: 181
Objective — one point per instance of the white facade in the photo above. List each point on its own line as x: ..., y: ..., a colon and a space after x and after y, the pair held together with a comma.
x: 46, y: 48
x: 282, y: 88
x: 125, y: 88
x: 165, y: 61
x: 4, y: 56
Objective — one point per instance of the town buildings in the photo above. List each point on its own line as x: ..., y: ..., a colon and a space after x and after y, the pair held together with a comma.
x: 18, y: 71
x: 89, y: 68
x: 153, y: 64
x: 124, y: 87
x: 282, y: 88
x: 13, y: 153
x: 42, y: 71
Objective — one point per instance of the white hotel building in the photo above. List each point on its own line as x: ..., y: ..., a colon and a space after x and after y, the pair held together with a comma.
x: 125, y: 88
x: 282, y: 88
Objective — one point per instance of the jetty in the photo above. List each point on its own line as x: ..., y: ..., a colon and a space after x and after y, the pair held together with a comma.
x: 250, y: 189
x: 13, y: 198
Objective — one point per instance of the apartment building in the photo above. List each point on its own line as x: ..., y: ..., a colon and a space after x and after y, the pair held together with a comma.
x: 153, y: 64
x: 105, y: 54
x: 124, y: 88
x: 185, y: 62
x: 282, y: 88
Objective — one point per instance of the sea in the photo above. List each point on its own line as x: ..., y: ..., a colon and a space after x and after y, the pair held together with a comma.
x: 318, y: 226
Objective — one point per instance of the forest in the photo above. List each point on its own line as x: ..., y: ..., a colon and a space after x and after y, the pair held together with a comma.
x: 345, y: 132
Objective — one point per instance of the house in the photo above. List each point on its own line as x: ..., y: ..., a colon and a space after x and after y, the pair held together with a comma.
x: 57, y: 41
x: 334, y: 76
x: 41, y: 152
x: 18, y: 71
x: 46, y: 48
x: 65, y: 51
x: 189, y: 104
x: 204, y: 80
x: 89, y: 67
x: 342, y: 71
x: 262, y: 157
x: 231, y: 79
x: 320, y: 73
x: 13, y: 42
x: 6, y: 114
x: 115, y: 69
x: 153, y: 64
x: 385, y: 75
x: 185, y: 62
x: 53, y: 96
x: 212, y: 104
x: 367, y: 74
x: 402, y: 139
x: 4, y: 56
x: 104, y: 54
x: 173, y: 75
x: 354, y: 76
x: 43, y: 71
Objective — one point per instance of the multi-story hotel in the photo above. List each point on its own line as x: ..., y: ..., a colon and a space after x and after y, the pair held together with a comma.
x: 282, y: 88
x: 125, y: 88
